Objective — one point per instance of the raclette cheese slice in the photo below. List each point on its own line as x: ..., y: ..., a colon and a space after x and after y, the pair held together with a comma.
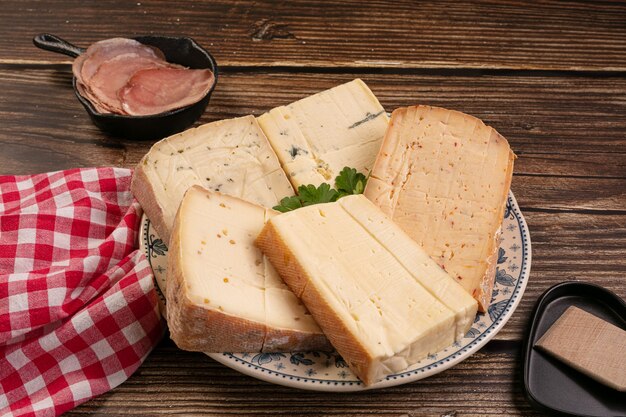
x: 424, y: 270
x: 382, y: 310
x: 229, y: 156
x: 317, y: 136
x: 444, y: 177
x: 222, y: 293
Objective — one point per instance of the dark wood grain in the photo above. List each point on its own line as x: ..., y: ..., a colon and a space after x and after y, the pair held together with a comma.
x: 564, y: 194
x: 570, y: 247
x: 559, y: 126
x: 550, y: 76
x: 175, y: 382
x: 571, y: 35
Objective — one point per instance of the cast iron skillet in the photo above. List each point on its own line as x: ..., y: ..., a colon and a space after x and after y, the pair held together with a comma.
x: 183, y: 51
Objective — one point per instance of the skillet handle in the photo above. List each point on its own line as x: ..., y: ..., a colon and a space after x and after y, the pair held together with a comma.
x: 55, y: 44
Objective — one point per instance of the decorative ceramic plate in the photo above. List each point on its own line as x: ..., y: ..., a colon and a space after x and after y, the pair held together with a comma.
x: 322, y: 371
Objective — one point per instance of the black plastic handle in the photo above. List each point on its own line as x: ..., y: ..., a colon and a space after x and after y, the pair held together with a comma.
x: 55, y: 44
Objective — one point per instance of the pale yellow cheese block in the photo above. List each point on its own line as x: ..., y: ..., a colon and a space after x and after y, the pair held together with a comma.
x: 317, y: 136
x: 414, y: 259
x: 230, y: 156
x: 222, y: 293
x: 444, y: 177
x: 381, y: 310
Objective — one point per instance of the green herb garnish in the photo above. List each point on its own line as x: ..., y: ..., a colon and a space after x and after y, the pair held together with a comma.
x: 348, y: 182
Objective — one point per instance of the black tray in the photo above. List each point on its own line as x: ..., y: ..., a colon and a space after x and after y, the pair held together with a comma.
x: 550, y: 385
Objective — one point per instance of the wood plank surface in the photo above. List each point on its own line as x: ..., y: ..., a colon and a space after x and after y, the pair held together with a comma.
x: 549, y: 75
x: 569, y: 35
x: 174, y: 382
x: 570, y: 247
x: 559, y: 126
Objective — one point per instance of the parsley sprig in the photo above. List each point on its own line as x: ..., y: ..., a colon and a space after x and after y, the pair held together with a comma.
x: 348, y: 182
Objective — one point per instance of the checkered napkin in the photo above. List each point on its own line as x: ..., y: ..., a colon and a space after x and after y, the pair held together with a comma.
x: 78, y: 310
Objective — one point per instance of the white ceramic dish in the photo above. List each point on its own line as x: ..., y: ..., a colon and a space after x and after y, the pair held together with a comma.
x: 323, y: 371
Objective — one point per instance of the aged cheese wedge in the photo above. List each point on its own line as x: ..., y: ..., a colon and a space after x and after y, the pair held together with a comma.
x: 381, y: 301
x: 230, y: 156
x: 414, y: 259
x: 222, y: 293
x: 444, y: 177
x: 316, y: 137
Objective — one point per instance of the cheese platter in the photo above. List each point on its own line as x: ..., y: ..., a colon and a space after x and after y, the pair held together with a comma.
x: 327, y: 371
x: 407, y: 263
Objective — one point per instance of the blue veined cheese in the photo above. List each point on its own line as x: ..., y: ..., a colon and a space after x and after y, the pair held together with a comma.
x: 317, y: 136
x: 222, y: 294
x: 229, y: 156
x: 444, y: 177
x: 382, y: 302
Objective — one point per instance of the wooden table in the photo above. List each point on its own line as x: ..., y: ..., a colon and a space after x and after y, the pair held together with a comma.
x: 551, y: 77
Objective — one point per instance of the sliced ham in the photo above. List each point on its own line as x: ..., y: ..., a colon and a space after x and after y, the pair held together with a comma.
x: 102, y: 51
x: 77, y: 65
x: 113, y: 75
x: 157, y: 90
x: 124, y: 76
x: 83, y: 91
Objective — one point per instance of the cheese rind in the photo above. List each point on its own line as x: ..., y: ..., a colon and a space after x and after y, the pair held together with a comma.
x: 444, y: 177
x: 229, y: 156
x: 376, y: 312
x: 317, y: 136
x: 222, y: 293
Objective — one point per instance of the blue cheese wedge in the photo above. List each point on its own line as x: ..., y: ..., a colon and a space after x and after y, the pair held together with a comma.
x: 222, y: 293
x: 382, y: 302
x: 229, y: 156
x: 444, y: 176
x: 317, y: 136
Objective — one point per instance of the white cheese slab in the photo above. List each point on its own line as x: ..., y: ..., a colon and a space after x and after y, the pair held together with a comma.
x: 380, y: 314
x: 222, y: 293
x: 317, y: 136
x: 229, y: 156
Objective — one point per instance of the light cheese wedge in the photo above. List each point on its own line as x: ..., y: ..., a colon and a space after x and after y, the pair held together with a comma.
x: 444, y: 177
x: 317, y: 136
x: 380, y: 300
x: 412, y: 258
x: 222, y: 293
x: 230, y: 156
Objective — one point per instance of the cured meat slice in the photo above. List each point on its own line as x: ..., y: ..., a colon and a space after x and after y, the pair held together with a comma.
x: 112, y: 76
x: 118, y: 67
x: 102, y: 51
x: 77, y: 65
x: 156, y: 90
x: 85, y: 92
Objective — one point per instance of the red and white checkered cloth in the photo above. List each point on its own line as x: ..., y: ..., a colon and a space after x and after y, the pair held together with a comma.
x: 78, y: 310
